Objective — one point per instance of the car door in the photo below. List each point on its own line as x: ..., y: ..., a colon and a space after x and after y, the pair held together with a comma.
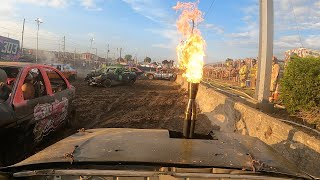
x: 31, y: 93
x: 63, y: 95
x: 164, y: 74
x: 126, y: 75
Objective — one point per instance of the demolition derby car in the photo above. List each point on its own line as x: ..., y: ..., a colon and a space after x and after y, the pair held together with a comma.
x: 66, y: 69
x: 35, y: 106
x: 97, y: 72
x: 163, y: 74
x: 112, y: 75
x: 116, y: 153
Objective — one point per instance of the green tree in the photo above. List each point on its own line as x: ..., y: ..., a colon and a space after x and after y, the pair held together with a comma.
x: 128, y: 57
x: 300, y: 88
x: 165, y: 62
x: 147, y: 59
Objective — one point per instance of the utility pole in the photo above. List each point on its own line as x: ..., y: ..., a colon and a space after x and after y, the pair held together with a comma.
x: 38, y: 20
x: 64, y: 46
x: 107, y: 54
x: 24, y: 21
x: 265, y: 54
x: 97, y: 54
x: 120, y: 54
x: 59, y: 50
x: 91, y: 41
x: 74, y: 56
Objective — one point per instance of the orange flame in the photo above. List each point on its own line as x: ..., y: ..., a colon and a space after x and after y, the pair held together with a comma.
x: 190, y: 51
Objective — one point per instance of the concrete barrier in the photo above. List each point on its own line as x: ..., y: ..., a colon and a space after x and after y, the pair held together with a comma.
x: 232, y: 116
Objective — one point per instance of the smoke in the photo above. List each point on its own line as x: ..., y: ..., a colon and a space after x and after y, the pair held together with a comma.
x: 47, y: 57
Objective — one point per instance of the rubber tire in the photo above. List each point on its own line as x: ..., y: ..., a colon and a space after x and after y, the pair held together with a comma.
x: 173, y: 78
x: 150, y: 77
x: 71, y: 121
x: 72, y: 78
x: 107, y: 83
x: 131, y: 82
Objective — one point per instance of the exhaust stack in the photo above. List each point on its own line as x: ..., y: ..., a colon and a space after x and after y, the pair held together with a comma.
x: 191, y: 111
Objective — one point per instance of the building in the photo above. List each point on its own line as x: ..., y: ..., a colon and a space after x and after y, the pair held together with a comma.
x: 301, y: 52
x: 88, y: 57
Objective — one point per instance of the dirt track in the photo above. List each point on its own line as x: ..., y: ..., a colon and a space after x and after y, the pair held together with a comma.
x: 148, y: 104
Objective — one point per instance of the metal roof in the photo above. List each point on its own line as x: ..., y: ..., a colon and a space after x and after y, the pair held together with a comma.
x: 15, y: 64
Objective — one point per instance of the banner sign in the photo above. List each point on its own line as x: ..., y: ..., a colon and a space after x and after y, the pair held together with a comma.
x: 9, y: 49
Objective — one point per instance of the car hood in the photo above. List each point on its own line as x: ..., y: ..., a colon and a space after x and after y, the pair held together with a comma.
x: 227, y: 150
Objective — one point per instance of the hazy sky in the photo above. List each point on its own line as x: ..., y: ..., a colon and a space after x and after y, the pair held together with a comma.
x: 147, y: 27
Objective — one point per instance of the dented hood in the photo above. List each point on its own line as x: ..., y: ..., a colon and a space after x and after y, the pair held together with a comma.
x: 227, y: 150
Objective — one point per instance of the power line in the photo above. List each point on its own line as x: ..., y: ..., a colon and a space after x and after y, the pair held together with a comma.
x: 208, y: 11
x: 295, y: 20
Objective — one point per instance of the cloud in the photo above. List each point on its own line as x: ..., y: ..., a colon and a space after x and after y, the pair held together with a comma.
x: 214, y: 28
x: 287, y: 42
x: 47, y: 39
x: 289, y: 14
x: 160, y: 45
x: 312, y: 41
x: 50, y: 3
x: 7, y: 9
x: 169, y: 34
x: 253, y: 9
x: 151, y: 9
x: 90, y: 5
x: 240, y: 35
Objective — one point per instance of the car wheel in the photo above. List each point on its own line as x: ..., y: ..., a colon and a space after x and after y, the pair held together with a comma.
x: 173, y: 78
x: 89, y: 83
x: 71, y: 121
x: 72, y: 78
x: 107, y: 83
x: 131, y: 82
x: 150, y: 76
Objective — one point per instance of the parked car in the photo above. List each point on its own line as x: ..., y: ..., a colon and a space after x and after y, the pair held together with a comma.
x: 38, y: 105
x: 68, y: 71
x: 113, y: 75
x: 162, y: 74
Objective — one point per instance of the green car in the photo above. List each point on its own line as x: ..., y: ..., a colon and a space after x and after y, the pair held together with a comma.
x: 112, y: 75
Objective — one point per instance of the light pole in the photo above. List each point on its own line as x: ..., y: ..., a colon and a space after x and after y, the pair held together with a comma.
x: 96, y: 53
x: 107, y: 54
x: 38, y: 20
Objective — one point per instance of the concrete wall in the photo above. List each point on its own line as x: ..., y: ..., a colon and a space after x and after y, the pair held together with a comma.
x: 231, y: 116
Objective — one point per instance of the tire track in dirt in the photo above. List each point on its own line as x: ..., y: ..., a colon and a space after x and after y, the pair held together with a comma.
x: 151, y: 104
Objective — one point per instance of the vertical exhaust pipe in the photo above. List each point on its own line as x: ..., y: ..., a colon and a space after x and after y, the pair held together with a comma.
x: 191, y: 111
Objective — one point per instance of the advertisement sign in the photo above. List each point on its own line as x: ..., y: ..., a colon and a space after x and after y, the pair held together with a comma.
x: 9, y: 49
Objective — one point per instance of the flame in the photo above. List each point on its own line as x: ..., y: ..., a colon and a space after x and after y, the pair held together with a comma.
x: 191, y: 50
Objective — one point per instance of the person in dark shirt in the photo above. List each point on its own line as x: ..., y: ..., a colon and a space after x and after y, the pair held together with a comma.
x: 5, y: 90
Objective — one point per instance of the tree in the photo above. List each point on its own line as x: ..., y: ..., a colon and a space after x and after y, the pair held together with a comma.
x: 120, y: 60
x: 300, y: 88
x: 165, y: 62
x: 147, y: 59
x: 128, y: 57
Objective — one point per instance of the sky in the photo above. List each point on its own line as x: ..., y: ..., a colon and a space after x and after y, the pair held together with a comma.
x: 147, y: 27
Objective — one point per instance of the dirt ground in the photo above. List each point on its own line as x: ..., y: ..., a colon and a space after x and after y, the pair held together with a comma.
x: 152, y: 104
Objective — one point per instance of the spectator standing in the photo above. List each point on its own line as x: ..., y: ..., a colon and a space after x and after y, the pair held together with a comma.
x: 243, y: 73
x: 274, y: 78
x: 253, y: 74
